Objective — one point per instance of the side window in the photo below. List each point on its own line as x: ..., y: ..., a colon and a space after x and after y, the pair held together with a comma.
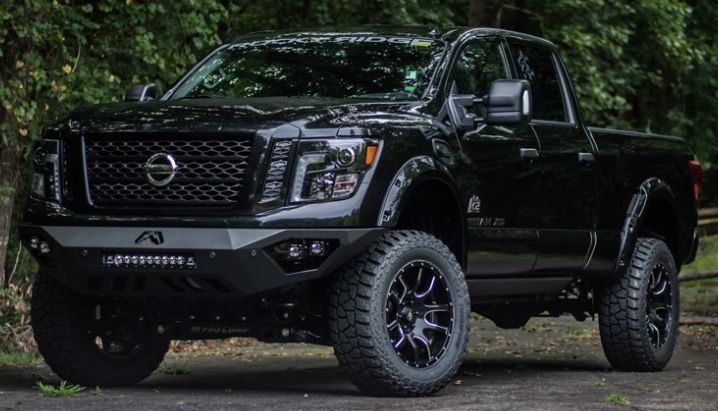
x: 537, y: 66
x: 479, y: 64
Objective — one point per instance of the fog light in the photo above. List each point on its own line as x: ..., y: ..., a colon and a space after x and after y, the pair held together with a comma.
x: 44, y: 248
x: 296, y: 251
x: 317, y: 248
x: 302, y: 254
x: 34, y: 243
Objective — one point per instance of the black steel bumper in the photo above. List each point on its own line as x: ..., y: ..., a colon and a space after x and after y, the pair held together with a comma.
x: 233, y: 262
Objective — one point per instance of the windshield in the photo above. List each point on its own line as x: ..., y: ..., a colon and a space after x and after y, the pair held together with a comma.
x: 372, y: 67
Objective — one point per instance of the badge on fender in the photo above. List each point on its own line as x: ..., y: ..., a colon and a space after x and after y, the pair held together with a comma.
x: 474, y: 204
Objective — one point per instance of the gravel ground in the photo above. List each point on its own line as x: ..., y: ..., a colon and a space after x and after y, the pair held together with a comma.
x: 549, y: 364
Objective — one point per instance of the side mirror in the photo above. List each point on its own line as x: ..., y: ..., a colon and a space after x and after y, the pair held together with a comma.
x: 509, y: 103
x: 142, y: 92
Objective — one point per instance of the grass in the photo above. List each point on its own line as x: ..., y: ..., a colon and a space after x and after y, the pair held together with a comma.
x: 62, y: 390
x: 174, y: 369
x: 707, y: 258
x: 616, y: 399
x: 701, y: 297
x: 579, y: 334
x: 11, y: 358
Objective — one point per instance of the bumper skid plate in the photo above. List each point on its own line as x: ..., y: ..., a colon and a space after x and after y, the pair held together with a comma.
x: 182, y: 262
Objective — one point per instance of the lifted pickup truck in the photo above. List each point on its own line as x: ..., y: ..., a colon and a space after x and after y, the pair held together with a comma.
x: 366, y: 189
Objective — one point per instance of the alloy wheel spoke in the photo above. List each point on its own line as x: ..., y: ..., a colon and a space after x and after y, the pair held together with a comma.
x: 400, y: 342
x: 419, y: 277
x: 660, y: 288
x: 415, y: 348
x: 392, y: 325
x: 654, y: 332
x: 436, y: 308
x: 428, y: 290
x: 429, y: 325
x: 406, y: 288
x: 425, y: 343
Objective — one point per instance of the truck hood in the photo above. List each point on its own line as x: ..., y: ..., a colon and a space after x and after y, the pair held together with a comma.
x: 305, y: 116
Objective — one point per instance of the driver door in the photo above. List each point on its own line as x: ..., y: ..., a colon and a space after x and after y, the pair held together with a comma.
x: 497, y: 175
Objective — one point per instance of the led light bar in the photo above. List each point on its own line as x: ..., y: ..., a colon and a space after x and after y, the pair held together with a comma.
x: 150, y: 261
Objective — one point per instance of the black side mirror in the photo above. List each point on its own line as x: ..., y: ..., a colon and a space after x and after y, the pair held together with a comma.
x: 142, y: 92
x: 509, y: 103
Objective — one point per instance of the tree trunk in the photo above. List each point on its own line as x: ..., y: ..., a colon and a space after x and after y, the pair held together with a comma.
x: 485, y: 13
x: 9, y: 173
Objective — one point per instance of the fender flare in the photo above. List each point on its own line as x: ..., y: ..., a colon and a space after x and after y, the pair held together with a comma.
x: 415, y: 171
x: 648, y: 192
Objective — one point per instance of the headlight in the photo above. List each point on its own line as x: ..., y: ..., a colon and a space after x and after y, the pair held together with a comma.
x: 330, y: 169
x: 46, y: 176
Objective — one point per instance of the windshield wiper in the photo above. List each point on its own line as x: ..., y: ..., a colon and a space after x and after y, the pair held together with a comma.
x: 198, y: 96
x: 394, y: 95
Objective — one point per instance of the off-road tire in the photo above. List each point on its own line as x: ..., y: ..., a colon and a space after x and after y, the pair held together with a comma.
x: 60, y: 328
x: 358, y: 327
x: 623, y: 318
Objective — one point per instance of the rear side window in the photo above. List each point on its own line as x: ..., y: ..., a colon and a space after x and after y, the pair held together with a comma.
x: 537, y: 66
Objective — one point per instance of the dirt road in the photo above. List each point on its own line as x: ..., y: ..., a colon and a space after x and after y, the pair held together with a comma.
x: 550, y: 364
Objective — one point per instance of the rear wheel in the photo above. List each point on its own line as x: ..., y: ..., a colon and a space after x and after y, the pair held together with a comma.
x: 638, y: 313
x: 400, y: 316
x: 92, y: 341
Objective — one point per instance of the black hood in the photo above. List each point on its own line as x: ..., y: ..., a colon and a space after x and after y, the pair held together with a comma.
x: 310, y: 116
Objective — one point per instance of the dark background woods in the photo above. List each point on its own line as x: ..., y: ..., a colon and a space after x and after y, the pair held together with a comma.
x: 642, y: 65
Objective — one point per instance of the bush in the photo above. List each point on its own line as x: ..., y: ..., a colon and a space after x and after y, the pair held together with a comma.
x: 15, y: 330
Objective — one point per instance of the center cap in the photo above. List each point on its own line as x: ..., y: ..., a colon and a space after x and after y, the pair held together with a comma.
x: 408, y: 314
x: 160, y: 169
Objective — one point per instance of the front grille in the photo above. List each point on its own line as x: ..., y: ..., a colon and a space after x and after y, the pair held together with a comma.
x: 210, y: 172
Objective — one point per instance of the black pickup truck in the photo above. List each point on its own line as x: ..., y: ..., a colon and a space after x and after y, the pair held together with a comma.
x: 366, y: 189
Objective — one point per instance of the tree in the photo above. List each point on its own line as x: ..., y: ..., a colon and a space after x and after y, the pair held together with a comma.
x: 485, y: 13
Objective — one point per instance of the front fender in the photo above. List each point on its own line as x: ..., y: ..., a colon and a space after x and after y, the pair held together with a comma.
x: 408, y: 177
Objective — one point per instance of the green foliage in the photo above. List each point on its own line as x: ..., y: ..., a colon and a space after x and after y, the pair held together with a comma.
x: 707, y: 256
x: 701, y: 297
x: 61, y: 55
x: 174, y: 368
x: 17, y: 358
x: 62, y: 390
x: 15, y: 330
x: 616, y: 399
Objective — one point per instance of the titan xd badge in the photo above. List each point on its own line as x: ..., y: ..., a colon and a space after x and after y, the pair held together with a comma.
x: 160, y: 169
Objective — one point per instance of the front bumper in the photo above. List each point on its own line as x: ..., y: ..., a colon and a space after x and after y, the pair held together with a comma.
x: 229, y: 262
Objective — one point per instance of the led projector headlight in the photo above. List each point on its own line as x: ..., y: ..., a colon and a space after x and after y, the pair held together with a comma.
x: 46, y: 176
x: 330, y: 169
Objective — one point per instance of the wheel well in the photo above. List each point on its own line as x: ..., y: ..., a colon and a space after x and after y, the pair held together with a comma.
x: 661, y: 221
x: 433, y: 208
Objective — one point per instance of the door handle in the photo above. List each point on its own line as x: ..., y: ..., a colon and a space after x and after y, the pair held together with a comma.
x: 529, y: 154
x: 586, y: 158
